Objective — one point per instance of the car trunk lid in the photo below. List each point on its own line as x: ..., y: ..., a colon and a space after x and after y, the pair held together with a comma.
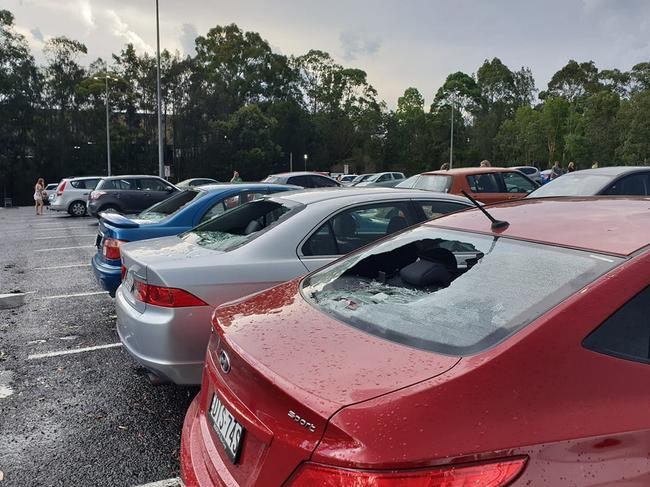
x: 290, y: 369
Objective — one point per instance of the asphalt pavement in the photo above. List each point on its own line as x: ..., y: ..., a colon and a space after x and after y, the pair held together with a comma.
x: 75, y: 410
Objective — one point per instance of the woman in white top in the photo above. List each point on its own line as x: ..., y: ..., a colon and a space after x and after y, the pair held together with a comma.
x: 39, y: 193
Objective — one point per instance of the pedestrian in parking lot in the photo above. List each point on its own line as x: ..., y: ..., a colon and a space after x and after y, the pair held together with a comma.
x: 571, y: 167
x: 445, y: 166
x: 485, y: 163
x: 39, y: 190
x: 236, y: 178
x: 556, y: 170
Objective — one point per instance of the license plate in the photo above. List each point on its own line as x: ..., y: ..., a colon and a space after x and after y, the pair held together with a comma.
x: 228, y: 430
x: 128, y: 281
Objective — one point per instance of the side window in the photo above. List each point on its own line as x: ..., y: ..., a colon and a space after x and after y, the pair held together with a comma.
x: 398, y: 175
x: 91, y: 183
x: 151, y: 184
x: 303, y: 181
x: 632, y: 185
x: 434, y: 209
x: 119, y: 184
x: 484, y: 183
x: 516, y: 183
x: 625, y: 334
x: 321, y: 243
x: 357, y: 227
x: 319, y: 182
x: 217, y: 209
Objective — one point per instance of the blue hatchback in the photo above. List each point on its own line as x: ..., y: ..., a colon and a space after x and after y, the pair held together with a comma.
x: 176, y: 214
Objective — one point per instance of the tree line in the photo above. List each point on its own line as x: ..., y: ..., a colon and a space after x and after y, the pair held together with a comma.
x: 236, y: 104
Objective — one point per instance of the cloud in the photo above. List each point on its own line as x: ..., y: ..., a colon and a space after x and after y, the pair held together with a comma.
x: 188, y: 35
x: 355, y: 45
x: 121, y: 29
x: 86, y: 13
x: 37, y: 34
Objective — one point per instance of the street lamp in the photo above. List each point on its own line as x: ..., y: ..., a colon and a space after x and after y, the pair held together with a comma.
x: 306, y: 157
x: 451, y: 141
x: 106, y: 77
x: 161, y: 163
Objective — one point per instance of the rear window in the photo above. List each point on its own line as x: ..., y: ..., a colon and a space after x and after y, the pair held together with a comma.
x: 84, y: 183
x: 120, y: 184
x: 242, y: 224
x: 574, y: 184
x: 170, y: 206
x: 450, y: 292
x: 434, y: 182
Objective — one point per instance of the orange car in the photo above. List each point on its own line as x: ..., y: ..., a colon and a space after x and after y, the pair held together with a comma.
x: 486, y: 184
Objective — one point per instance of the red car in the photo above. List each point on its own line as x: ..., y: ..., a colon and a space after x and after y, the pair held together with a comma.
x: 454, y: 353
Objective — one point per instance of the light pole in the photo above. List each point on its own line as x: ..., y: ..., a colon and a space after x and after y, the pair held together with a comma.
x: 306, y: 157
x: 161, y: 163
x: 108, y: 121
x: 451, y: 141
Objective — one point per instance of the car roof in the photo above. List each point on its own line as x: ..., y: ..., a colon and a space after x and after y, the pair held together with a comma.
x: 244, y: 186
x: 85, y: 177
x: 299, y: 173
x: 613, y: 225
x: 122, y: 176
x: 468, y: 171
x: 612, y: 170
x: 309, y: 196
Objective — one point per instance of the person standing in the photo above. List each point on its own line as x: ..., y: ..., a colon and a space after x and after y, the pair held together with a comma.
x: 39, y: 190
x: 556, y: 170
x: 571, y: 167
x: 444, y: 166
x: 236, y: 178
x: 485, y: 163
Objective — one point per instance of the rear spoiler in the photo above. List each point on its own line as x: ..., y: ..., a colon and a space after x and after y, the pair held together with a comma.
x: 117, y: 220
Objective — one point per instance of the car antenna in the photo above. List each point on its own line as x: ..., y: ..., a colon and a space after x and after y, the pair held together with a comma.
x: 496, y: 224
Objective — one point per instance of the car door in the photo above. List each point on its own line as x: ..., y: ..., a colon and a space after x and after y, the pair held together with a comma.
x: 125, y: 194
x: 153, y: 190
x: 637, y: 184
x: 487, y: 187
x: 352, y: 228
x: 517, y: 185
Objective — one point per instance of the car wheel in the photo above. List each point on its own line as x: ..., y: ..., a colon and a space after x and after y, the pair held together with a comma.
x: 109, y: 209
x: 77, y: 208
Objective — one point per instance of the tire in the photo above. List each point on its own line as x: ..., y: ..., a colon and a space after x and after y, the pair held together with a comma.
x: 77, y: 208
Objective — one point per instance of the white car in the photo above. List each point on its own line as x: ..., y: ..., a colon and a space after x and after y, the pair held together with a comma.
x: 531, y: 171
x: 72, y: 194
x: 383, y: 179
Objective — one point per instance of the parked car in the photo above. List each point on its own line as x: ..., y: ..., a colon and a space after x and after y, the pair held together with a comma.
x: 545, y: 175
x: 189, y: 183
x: 346, y: 180
x: 128, y: 194
x: 486, y: 184
x: 383, y: 179
x: 72, y: 194
x: 448, y: 354
x: 609, y: 181
x: 532, y: 172
x: 172, y: 284
x: 50, y: 191
x: 178, y: 213
x: 303, y: 179
x: 360, y: 178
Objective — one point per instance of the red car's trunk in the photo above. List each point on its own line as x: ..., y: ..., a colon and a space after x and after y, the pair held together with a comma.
x: 291, y: 369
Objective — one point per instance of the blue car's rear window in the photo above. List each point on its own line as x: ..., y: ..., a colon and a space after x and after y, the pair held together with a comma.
x: 170, y: 206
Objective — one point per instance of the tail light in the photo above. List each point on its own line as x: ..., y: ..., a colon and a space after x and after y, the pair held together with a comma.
x: 497, y: 474
x: 61, y: 187
x: 111, y: 248
x: 167, y: 297
x: 96, y: 194
x: 122, y: 271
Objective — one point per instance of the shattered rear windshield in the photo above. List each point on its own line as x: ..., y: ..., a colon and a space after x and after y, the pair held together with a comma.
x: 450, y: 292
x: 242, y: 224
x: 169, y: 206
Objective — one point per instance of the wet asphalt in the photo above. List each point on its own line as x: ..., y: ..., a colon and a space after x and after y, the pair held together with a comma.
x: 83, y: 419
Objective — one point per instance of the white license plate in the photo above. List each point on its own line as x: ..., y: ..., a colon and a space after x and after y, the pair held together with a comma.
x: 229, y: 431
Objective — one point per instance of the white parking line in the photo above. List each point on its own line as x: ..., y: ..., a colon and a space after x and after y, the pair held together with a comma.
x: 66, y: 236
x: 60, y: 267
x: 175, y: 482
x: 66, y: 248
x: 73, y: 351
x: 78, y: 295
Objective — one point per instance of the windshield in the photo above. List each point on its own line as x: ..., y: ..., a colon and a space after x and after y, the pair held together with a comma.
x: 272, y: 179
x: 450, y: 292
x: 574, y: 184
x: 242, y: 224
x: 362, y: 178
x: 170, y: 206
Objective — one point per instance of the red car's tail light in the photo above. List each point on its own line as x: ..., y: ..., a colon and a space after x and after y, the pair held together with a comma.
x: 111, y: 248
x: 496, y: 474
x: 60, y: 188
x: 167, y: 297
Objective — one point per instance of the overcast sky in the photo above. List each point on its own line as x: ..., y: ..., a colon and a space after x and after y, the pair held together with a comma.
x: 398, y: 43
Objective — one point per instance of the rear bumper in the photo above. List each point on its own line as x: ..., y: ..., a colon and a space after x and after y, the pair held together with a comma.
x: 92, y: 208
x: 170, y: 342
x: 109, y: 276
x: 194, y: 471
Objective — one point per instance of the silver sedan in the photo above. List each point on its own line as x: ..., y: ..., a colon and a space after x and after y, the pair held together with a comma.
x: 171, y: 285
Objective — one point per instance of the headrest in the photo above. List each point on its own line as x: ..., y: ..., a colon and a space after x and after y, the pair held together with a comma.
x: 344, y: 225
